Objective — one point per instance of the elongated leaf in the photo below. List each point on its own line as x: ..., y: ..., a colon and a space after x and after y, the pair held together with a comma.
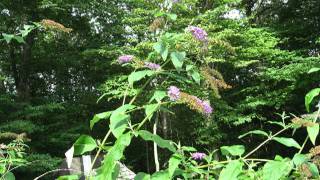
x: 142, y: 176
x: 119, y: 119
x: 147, y: 136
x: 313, y: 132
x: 310, y: 96
x: 138, y: 75
x: 174, y: 162
x: 235, y: 150
x: 177, y: 59
x: 118, y: 123
x: 258, y: 132
x: 158, y: 96
x: 231, y: 171
x: 289, y: 142
x: 274, y: 170
x: 313, y: 169
x: 299, y: 159
x: 150, y: 109
x: 84, y: 144
x: 312, y: 70
x: 98, y: 117
x: 115, y: 153
x: 162, y: 48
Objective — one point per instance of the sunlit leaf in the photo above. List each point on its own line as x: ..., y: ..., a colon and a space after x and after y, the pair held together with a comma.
x: 313, y: 132
x: 147, y: 136
x: 231, y: 171
x: 257, y: 132
x: 310, y: 96
x: 235, y: 150
x: 84, y: 144
x: 289, y: 142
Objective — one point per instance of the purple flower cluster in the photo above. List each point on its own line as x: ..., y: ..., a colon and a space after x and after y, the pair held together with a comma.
x: 174, y: 93
x: 198, y: 33
x: 152, y: 66
x: 207, y: 109
x: 175, y: 1
x: 125, y: 59
x: 198, y: 155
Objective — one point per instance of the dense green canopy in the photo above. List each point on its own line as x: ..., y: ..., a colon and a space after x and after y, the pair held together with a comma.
x: 58, y: 67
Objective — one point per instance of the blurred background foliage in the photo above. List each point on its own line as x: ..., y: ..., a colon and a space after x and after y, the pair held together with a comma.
x: 49, y: 85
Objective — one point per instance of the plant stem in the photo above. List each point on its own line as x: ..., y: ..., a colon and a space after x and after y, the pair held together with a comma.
x: 99, y: 150
x: 305, y: 141
x: 155, y: 149
x: 266, y: 141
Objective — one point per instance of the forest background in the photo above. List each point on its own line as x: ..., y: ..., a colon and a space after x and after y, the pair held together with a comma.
x: 55, y: 79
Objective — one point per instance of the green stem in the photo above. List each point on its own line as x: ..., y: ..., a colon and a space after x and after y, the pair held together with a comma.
x: 305, y: 141
x: 99, y: 151
x: 266, y: 141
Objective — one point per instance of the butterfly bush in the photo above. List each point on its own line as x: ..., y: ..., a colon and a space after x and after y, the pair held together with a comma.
x: 193, y: 102
x: 152, y: 66
x: 125, y: 59
x: 198, y: 33
x: 198, y: 155
x: 173, y: 93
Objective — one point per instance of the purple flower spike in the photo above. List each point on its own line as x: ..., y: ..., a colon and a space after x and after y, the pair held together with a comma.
x: 198, y: 33
x: 174, y: 93
x: 125, y: 59
x: 198, y: 155
x: 152, y: 66
x: 207, y: 108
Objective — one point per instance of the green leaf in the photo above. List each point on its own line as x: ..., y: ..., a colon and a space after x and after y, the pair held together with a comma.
x: 142, y: 176
x: 231, y: 171
x: 258, y: 132
x: 84, y: 144
x: 235, y: 150
x: 138, y: 75
x: 299, y: 159
x: 7, y: 37
x: 310, y: 96
x: 147, y: 136
x: 314, y: 169
x: 115, y: 153
x: 313, y: 132
x: 177, y: 59
x: 173, y: 17
x: 119, y: 120
x: 274, y: 170
x: 19, y: 39
x: 162, y: 48
x: 150, y: 109
x: 118, y: 123
x: 158, y: 96
x: 277, y: 123
x: 174, y: 162
x: 98, y: 117
x: 188, y: 148
x: 160, y: 175
x: 289, y: 142
x: 9, y: 176
x: 116, y: 171
x: 312, y: 70
x: 68, y: 177
x: 193, y: 73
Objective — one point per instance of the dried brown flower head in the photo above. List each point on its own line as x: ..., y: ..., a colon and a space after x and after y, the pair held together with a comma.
x: 52, y: 25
